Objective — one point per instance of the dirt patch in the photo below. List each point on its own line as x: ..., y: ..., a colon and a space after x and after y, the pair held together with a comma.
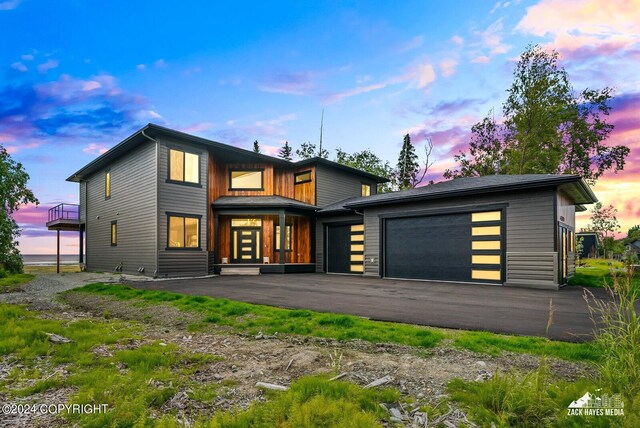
x: 421, y: 374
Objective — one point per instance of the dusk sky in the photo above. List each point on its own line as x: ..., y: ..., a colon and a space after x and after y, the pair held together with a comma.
x: 77, y: 77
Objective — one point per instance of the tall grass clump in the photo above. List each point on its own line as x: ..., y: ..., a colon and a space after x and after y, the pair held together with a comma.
x: 617, y: 333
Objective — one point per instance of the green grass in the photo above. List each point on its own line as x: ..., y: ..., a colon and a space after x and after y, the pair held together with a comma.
x: 132, y: 382
x: 595, y: 272
x: 314, y: 402
x: 495, y: 344
x: 12, y: 281
x: 250, y: 318
x: 531, y: 399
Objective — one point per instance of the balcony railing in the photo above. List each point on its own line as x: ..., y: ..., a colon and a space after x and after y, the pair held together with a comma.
x: 69, y: 212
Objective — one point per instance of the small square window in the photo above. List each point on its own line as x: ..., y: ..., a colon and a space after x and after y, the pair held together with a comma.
x: 366, y: 189
x: 184, y: 166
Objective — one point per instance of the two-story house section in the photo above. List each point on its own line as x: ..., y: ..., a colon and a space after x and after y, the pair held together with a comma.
x: 165, y: 203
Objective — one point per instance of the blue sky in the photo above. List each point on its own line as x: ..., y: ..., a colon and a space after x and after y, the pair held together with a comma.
x: 76, y: 77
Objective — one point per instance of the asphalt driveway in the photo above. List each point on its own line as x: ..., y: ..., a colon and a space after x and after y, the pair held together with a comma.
x: 451, y: 305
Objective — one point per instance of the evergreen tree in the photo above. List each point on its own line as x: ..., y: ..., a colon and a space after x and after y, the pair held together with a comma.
x: 286, y: 152
x: 256, y: 147
x: 408, y: 166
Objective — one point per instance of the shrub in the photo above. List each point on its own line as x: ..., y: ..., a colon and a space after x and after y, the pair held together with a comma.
x: 3, y: 273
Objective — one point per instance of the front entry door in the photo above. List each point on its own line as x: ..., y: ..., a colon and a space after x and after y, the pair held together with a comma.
x: 245, y: 244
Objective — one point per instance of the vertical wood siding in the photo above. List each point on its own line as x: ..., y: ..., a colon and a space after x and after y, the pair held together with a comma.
x: 132, y: 205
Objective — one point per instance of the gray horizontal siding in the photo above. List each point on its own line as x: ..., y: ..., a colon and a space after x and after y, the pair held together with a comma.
x: 132, y: 205
x: 333, y: 185
x: 320, y: 223
x: 83, y: 201
x: 539, y: 269
x: 182, y: 199
x: 530, y: 221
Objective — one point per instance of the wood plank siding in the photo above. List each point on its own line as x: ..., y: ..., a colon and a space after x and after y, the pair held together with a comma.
x: 529, y: 222
x: 132, y: 205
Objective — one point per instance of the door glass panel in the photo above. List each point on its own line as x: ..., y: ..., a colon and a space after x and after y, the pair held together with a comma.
x: 246, y: 222
x: 359, y: 237
x: 357, y: 257
x: 485, y: 260
x: 246, y: 241
x: 357, y: 268
x: 235, y: 244
x: 486, y: 216
x: 485, y: 230
x: 246, y: 257
x: 257, y: 245
x: 485, y: 245
x: 357, y: 228
x: 486, y: 274
x: 357, y: 247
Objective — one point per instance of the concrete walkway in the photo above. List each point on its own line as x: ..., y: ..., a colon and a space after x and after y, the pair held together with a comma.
x: 439, y: 304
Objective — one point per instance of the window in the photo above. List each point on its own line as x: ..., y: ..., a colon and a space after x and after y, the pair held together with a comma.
x: 245, y: 179
x: 287, y: 238
x: 302, y: 177
x: 184, y: 232
x: 107, y: 185
x: 246, y: 222
x: 486, y: 216
x: 114, y: 233
x: 366, y: 189
x: 184, y: 167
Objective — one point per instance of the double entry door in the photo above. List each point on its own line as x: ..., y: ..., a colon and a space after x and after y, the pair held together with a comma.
x: 245, y: 244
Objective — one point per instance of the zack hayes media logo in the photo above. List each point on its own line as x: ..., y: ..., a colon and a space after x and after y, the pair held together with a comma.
x: 592, y: 405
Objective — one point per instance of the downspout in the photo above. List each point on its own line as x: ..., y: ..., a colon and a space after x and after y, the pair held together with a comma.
x: 157, y: 215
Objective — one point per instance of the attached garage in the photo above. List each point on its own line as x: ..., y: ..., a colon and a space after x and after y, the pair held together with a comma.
x: 345, y: 248
x: 462, y: 246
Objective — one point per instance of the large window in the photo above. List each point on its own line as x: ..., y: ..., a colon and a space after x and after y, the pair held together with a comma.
x: 366, y: 189
x: 302, y: 177
x: 245, y: 179
x: 184, y: 232
x: 184, y: 166
x: 114, y: 233
x: 107, y: 185
x: 287, y: 237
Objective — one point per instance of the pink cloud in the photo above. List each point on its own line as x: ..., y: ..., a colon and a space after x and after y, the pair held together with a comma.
x: 19, y: 66
x: 457, y: 40
x: 197, y: 127
x: 293, y: 83
x: 592, y: 25
x: 95, y: 149
x: 48, y: 65
x: 448, y: 67
x: 482, y: 59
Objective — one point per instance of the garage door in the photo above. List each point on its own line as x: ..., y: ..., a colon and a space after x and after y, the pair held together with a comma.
x: 345, y: 248
x: 453, y: 247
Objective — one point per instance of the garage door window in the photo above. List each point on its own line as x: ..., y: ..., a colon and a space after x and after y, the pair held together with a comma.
x: 357, y: 248
x: 486, y: 246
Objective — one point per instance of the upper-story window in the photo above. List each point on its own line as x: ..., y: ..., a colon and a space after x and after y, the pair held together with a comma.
x: 246, y: 179
x: 302, y: 177
x: 107, y: 185
x: 184, y: 166
x: 366, y: 189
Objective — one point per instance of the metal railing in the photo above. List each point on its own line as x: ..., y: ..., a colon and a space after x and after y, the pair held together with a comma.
x: 64, y: 212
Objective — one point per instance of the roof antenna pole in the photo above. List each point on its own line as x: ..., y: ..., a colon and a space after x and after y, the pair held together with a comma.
x: 321, y: 126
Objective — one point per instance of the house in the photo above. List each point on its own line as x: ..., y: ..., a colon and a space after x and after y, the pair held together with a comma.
x: 590, y: 244
x: 164, y: 203
x: 634, y: 247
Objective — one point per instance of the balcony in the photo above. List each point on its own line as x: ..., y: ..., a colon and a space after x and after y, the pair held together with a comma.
x: 64, y: 217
